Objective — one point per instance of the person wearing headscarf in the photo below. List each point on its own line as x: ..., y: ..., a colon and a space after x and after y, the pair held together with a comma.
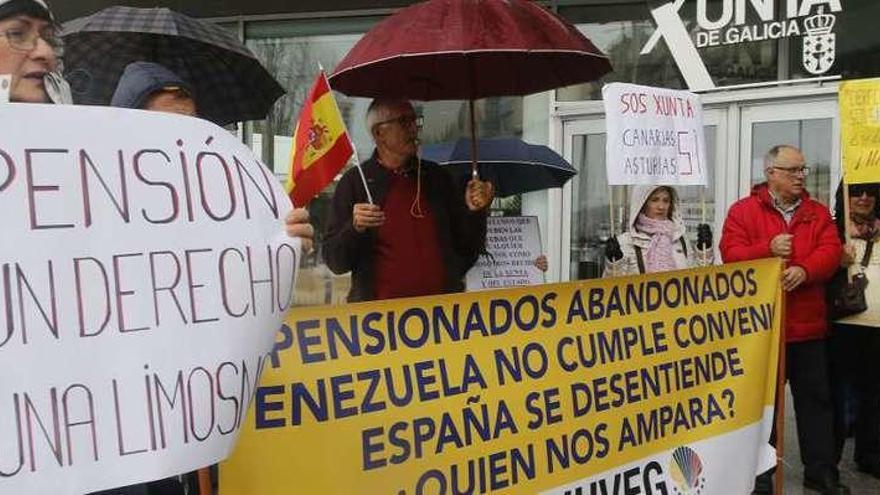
x: 154, y: 87
x: 854, y: 345
x: 29, y: 52
x: 655, y: 239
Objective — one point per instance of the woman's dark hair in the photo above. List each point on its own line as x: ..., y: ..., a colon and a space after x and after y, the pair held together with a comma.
x: 873, y: 189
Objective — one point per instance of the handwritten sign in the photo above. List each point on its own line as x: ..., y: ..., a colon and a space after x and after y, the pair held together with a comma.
x: 513, y: 243
x: 144, y: 275
x: 660, y: 383
x: 655, y: 136
x: 860, y: 130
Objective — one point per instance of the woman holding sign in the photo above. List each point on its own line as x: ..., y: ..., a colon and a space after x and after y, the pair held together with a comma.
x: 655, y: 241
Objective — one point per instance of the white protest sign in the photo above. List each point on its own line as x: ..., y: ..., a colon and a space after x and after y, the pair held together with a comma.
x: 5, y: 86
x: 144, y: 271
x: 655, y: 136
x: 513, y: 243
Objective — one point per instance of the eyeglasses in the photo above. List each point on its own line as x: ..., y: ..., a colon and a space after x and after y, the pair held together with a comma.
x: 26, y: 39
x: 404, y: 121
x: 805, y: 171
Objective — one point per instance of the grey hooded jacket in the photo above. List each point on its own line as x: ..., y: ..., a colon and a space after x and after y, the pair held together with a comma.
x: 140, y: 80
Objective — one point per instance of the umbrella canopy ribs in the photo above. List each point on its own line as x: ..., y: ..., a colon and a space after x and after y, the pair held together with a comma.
x: 230, y: 84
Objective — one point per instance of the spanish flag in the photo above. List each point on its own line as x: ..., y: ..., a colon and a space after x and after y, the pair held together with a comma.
x: 321, y: 146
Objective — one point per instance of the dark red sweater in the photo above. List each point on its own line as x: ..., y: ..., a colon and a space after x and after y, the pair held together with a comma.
x: 408, y: 261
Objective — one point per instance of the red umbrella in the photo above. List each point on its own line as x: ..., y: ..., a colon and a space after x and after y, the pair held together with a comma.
x: 468, y: 49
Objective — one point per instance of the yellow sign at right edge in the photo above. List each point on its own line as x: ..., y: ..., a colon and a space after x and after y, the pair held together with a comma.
x: 860, y: 130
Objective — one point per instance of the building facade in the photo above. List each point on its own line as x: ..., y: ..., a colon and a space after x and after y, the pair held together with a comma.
x: 768, y: 71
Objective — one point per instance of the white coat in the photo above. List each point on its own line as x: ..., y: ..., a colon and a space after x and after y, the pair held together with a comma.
x: 684, y: 254
x: 871, y: 317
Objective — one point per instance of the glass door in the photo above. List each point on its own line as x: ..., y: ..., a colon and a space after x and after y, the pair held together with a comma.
x: 813, y: 126
x: 585, y: 200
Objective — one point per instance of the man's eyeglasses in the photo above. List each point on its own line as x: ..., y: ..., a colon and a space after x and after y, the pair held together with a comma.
x: 26, y: 39
x: 805, y: 171
x: 404, y: 121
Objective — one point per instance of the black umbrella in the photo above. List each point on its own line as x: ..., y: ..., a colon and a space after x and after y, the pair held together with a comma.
x: 230, y: 83
x: 511, y: 165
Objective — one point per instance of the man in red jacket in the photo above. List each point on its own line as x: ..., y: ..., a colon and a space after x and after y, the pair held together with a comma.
x: 779, y: 219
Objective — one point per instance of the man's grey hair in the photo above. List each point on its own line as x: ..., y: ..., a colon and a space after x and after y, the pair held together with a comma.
x: 773, y: 154
x: 381, y: 109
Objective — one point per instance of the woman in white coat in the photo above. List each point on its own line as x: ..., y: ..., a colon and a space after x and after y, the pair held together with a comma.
x: 655, y: 239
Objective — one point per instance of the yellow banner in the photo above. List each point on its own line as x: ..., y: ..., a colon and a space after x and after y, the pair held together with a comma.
x: 516, y: 391
x: 860, y: 130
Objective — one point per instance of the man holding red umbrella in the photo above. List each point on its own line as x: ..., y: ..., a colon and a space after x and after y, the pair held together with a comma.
x: 414, y: 233
x: 438, y: 50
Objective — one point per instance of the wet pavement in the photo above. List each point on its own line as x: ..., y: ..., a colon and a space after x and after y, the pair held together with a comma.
x: 859, y: 483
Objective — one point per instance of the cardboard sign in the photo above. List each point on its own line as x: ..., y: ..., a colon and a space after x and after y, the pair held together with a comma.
x: 860, y: 130
x: 513, y: 243
x: 145, y: 272
x: 660, y: 383
x: 655, y: 136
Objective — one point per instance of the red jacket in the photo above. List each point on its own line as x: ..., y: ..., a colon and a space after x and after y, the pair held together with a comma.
x: 750, y: 226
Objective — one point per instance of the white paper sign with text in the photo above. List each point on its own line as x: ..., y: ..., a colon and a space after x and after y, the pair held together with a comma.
x: 513, y: 243
x: 144, y: 272
x: 655, y: 136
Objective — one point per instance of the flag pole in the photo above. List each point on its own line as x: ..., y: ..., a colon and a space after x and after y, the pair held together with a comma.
x: 611, y: 209
x: 703, y: 203
x: 780, y: 402
x: 357, y: 161
x: 845, y: 210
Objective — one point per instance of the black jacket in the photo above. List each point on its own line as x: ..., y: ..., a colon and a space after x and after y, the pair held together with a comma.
x: 462, y: 233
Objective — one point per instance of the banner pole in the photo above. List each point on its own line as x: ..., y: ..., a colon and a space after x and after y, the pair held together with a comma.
x: 845, y: 220
x: 703, y: 204
x: 780, y: 405
x: 611, y: 208
x: 205, y: 482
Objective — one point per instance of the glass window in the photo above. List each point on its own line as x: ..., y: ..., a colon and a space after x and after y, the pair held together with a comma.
x: 812, y: 136
x: 293, y: 52
x: 851, y: 38
x: 590, y: 214
x: 624, y: 32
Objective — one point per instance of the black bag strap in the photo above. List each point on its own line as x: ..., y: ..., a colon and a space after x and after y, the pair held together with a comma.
x: 684, y: 246
x: 866, y: 258
x: 640, y: 259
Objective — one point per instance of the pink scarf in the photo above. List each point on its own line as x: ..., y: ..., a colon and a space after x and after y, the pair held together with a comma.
x: 659, y: 257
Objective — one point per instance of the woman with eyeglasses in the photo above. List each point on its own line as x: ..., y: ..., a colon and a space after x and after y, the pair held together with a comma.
x: 854, y: 346
x: 29, y: 46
